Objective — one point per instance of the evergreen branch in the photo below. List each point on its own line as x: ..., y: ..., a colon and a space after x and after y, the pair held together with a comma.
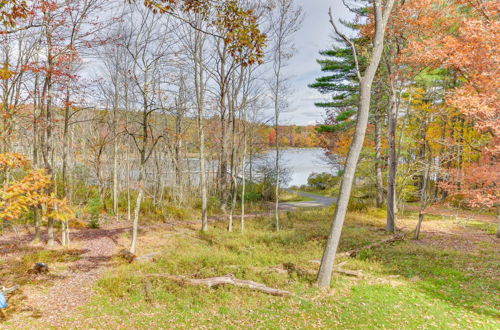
x: 347, y: 40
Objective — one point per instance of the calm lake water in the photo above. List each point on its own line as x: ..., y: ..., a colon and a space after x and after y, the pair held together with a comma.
x: 303, y: 162
x: 299, y: 163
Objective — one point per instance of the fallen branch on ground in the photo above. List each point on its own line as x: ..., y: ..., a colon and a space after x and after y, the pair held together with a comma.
x: 355, y: 273
x: 290, y: 268
x: 354, y: 252
x: 224, y: 280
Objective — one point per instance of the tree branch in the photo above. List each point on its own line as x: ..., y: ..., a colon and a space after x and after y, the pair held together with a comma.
x: 224, y: 280
x: 348, y: 41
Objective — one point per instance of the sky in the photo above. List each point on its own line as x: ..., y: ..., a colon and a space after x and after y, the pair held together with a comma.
x: 315, y: 35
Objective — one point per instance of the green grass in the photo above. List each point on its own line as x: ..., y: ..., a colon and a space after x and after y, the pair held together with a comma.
x: 292, y: 196
x: 406, y: 285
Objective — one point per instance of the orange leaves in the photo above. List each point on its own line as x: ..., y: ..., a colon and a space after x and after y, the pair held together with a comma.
x: 477, y: 184
x: 31, y: 191
x: 11, y: 10
x: 12, y: 160
x: 238, y: 27
x: 462, y: 36
x: 241, y: 33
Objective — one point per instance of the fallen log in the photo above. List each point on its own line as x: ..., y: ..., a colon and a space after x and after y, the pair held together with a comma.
x: 224, y: 280
x: 354, y: 252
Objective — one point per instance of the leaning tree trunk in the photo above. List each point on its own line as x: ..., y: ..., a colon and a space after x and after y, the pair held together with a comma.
x: 365, y: 85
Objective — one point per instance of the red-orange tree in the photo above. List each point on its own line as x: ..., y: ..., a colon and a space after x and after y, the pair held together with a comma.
x: 462, y: 36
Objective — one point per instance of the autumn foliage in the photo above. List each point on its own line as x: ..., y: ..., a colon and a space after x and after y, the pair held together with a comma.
x: 236, y: 26
x: 11, y: 10
x: 462, y: 37
x: 31, y: 191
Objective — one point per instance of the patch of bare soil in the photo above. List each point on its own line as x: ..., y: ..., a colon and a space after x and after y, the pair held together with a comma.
x: 455, y: 234
x: 447, y: 211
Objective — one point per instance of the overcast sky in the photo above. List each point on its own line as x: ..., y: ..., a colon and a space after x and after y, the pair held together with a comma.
x: 315, y: 35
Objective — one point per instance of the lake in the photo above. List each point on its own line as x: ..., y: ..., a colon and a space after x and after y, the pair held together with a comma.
x: 299, y: 162
x: 302, y: 162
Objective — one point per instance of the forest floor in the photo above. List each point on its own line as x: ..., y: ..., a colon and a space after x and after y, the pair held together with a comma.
x: 447, y: 279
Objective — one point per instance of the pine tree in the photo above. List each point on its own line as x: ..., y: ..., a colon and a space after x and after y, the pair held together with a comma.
x: 341, y: 82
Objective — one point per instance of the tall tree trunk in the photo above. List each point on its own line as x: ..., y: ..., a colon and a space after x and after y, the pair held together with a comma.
x: 243, y: 173
x: 115, y: 160
x: 379, y: 200
x: 36, y: 214
x: 423, y: 198
x: 498, y: 220
x: 277, y: 165
x: 200, y: 91
x: 391, y: 180
x: 67, y: 110
x: 203, y: 174
x: 129, y: 209
x: 137, y: 209
x: 223, y: 166
x: 233, y: 165
x: 328, y: 259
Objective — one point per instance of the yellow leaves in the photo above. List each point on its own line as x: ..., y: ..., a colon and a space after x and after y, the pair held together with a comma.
x: 12, y: 160
x: 237, y: 26
x: 5, y: 72
x: 19, y: 196
x: 12, y: 10
x: 241, y: 33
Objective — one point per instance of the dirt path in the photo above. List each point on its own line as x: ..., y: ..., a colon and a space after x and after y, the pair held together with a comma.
x: 72, y: 287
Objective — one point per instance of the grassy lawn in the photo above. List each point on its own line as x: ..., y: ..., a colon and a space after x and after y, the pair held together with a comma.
x: 406, y: 285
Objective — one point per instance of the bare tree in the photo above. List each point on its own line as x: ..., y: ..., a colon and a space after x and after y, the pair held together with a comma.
x: 147, y: 44
x: 284, y: 21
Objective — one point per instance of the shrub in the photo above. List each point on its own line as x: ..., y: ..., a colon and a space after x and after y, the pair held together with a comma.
x: 177, y: 213
x: 322, y: 181
x: 252, y: 196
x: 94, y: 208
